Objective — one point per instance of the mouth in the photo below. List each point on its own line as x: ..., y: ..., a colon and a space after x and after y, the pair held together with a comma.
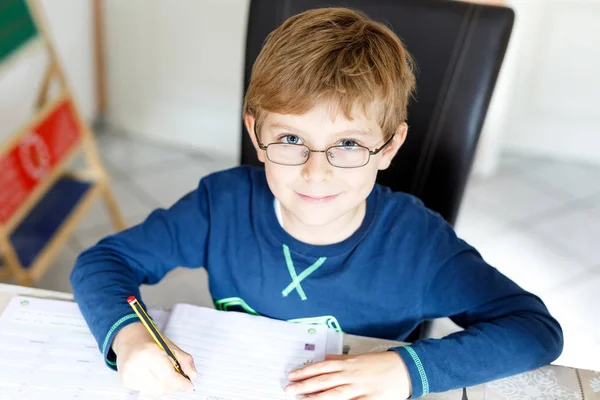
x: 317, y: 199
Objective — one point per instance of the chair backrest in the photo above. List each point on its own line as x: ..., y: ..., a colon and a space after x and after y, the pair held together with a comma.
x: 458, y: 48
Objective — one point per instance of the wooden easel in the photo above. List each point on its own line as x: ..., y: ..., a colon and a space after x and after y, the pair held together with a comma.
x: 41, y: 202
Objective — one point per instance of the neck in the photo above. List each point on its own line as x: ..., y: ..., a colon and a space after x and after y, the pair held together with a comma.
x: 334, y: 232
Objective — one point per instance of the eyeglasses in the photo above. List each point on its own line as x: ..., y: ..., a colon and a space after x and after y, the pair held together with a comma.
x: 339, y: 156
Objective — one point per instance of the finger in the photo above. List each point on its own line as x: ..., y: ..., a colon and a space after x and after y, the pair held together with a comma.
x: 345, y: 392
x: 317, y: 384
x: 187, y: 362
x: 164, y: 371
x: 336, y: 356
x: 319, y: 368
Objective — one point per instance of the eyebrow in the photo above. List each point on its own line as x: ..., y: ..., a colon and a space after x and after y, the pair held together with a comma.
x: 293, y: 129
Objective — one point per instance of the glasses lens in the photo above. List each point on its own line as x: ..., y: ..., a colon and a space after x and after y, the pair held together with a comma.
x: 287, y: 154
x: 348, y: 157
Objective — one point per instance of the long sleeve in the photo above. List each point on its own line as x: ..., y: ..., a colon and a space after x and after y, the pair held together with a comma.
x: 105, y: 275
x: 507, y: 330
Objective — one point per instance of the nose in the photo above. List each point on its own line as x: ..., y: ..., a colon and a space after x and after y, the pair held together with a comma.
x: 317, y: 169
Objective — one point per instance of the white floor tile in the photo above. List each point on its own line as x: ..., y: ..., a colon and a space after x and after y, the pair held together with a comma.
x: 113, y: 171
x: 475, y: 225
x: 592, y: 204
x: 90, y: 237
x: 575, y: 181
x: 80, y: 162
x: 577, y: 230
x: 128, y: 200
x: 513, y: 199
x: 85, y: 238
x: 515, y: 164
x: 169, y: 186
x: 129, y: 155
x: 57, y: 275
x: 529, y: 261
x: 470, y: 197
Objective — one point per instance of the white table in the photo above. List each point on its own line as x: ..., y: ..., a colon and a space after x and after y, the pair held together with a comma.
x: 546, y: 383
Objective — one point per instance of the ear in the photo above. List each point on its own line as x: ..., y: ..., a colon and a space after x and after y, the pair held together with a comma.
x: 249, y: 121
x: 388, y: 154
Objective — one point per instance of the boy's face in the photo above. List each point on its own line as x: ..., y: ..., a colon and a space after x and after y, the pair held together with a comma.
x: 317, y: 193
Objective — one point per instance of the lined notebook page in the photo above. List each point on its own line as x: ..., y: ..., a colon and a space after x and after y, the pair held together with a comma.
x: 242, y: 357
x: 47, y: 352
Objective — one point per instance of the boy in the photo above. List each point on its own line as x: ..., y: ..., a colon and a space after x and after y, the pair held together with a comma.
x: 312, y: 236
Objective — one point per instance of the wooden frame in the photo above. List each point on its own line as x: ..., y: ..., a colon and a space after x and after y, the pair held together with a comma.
x: 94, y: 173
x: 101, y: 95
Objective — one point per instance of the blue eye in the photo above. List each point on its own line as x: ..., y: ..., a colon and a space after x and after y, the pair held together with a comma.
x: 348, y: 143
x: 290, y: 139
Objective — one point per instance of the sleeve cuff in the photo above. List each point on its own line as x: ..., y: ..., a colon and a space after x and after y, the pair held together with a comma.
x: 416, y: 372
x: 110, y: 358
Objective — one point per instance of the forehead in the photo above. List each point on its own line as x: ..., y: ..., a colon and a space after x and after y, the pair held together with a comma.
x: 323, y: 117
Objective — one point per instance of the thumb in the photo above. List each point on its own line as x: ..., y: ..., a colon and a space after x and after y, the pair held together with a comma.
x: 187, y: 364
x: 336, y: 356
x: 186, y: 361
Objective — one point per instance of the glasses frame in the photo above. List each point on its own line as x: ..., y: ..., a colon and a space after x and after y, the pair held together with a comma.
x: 371, y: 152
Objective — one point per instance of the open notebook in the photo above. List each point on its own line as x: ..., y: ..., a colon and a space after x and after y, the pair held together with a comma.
x: 47, y: 351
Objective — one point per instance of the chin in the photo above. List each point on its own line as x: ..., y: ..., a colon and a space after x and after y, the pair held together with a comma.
x: 316, y: 218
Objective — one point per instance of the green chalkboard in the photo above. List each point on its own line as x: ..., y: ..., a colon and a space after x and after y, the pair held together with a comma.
x: 16, y: 26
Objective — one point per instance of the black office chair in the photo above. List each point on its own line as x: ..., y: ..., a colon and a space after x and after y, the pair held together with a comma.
x: 459, y: 48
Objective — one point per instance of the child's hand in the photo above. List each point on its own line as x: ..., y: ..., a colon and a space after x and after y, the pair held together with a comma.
x: 144, y: 367
x: 365, y: 376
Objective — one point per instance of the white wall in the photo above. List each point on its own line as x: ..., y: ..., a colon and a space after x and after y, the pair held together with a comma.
x: 547, y: 101
x: 70, y: 23
x: 555, y: 107
x: 174, y: 71
x: 175, y: 76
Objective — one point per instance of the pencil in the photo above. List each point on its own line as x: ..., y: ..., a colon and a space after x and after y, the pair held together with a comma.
x: 158, y: 338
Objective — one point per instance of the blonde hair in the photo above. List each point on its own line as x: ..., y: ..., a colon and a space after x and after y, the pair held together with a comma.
x: 336, y: 55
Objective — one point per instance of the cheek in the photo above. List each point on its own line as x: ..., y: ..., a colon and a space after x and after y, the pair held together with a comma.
x: 279, y: 176
x: 361, y: 180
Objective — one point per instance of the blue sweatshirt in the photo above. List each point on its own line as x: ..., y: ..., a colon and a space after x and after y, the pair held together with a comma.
x: 403, y: 265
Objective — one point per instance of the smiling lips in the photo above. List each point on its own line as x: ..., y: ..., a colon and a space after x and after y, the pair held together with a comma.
x: 317, y: 199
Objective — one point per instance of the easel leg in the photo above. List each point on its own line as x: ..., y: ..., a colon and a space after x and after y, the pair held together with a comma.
x: 113, y: 208
x: 12, y: 262
x: 25, y: 280
x: 43, y: 94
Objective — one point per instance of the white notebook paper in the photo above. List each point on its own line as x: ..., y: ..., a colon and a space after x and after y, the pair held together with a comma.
x: 47, y: 351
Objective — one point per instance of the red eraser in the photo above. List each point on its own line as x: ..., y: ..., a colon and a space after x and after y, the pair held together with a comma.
x: 131, y: 299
